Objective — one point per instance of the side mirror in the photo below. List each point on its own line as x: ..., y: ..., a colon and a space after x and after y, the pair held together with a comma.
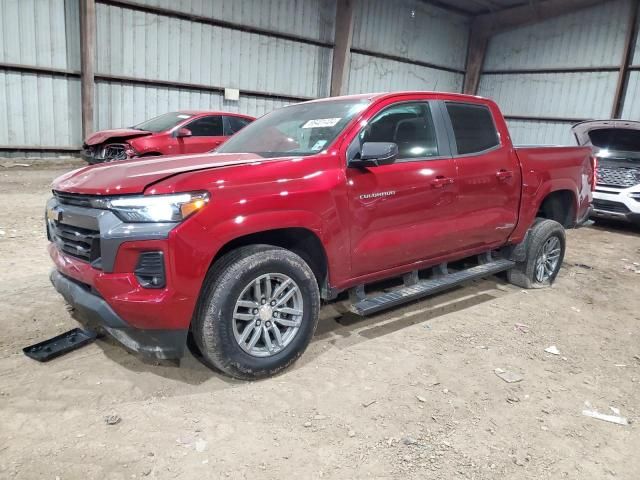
x: 183, y: 132
x: 374, y: 154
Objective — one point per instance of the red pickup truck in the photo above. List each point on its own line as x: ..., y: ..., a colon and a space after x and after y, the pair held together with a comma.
x: 173, y: 133
x: 238, y: 249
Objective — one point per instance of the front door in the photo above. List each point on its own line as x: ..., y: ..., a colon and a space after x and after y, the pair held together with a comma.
x: 207, y: 133
x: 405, y: 211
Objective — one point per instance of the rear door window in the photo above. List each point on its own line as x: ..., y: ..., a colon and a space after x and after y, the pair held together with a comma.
x: 235, y: 124
x: 207, y: 127
x: 473, y: 127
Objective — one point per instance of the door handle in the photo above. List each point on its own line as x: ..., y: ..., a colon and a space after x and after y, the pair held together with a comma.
x: 504, y: 175
x: 441, y: 181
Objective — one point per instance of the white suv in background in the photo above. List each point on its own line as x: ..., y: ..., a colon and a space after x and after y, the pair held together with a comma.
x: 616, y: 145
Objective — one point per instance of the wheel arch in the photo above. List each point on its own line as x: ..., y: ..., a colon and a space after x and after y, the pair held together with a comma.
x: 560, y: 205
x: 299, y: 240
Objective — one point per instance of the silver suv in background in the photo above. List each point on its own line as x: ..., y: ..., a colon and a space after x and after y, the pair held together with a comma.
x: 616, y: 145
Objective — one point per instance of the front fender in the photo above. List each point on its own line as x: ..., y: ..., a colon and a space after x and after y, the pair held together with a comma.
x: 330, y: 235
x: 242, y: 225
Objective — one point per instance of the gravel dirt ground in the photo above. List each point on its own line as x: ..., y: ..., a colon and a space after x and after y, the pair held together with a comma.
x: 409, y: 394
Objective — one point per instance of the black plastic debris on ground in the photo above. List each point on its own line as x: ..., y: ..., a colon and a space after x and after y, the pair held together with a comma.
x: 583, y: 265
x: 60, y: 344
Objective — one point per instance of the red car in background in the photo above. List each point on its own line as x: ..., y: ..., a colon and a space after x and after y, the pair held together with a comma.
x: 174, y: 133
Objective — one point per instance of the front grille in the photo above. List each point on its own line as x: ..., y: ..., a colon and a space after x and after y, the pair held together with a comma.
x: 73, y: 199
x: 114, y: 151
x: 622, y: 177
x: 107, y: 153
x: 609, y: 206
x: 75, y: 241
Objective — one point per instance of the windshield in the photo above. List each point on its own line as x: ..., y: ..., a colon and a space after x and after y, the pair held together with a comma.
x: 298, y: 130
x: 163, y: 122
x: 616, y: 139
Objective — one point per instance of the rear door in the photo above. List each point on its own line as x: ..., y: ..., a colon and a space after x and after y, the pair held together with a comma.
x: 489, y: 177
x: 405, y: 211
x: 207, y: 133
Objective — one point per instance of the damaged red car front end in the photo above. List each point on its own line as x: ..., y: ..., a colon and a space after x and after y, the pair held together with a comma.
x: 174, y: 133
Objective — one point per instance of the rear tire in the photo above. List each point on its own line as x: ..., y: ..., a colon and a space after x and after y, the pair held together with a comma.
x: 544, y: 255
x: 249, y: 294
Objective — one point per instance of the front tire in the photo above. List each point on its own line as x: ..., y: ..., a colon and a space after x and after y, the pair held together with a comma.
x: 258, y: 312
x: 544, y: 255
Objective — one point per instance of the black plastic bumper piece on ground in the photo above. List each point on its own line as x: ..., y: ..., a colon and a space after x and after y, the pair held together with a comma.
x: 59, y: 345
x: 424, y: 288
x: 161, y: 344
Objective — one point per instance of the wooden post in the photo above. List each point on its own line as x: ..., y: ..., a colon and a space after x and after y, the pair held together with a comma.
x: 342, y: 47
x: 623, y: 73
x: 87, y: 63
x: 478, y: 42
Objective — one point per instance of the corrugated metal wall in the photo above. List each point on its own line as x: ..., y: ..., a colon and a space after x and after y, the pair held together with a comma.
x: 123, y: 104
x: 44, y: 33
x: 39, y: 108
x: 305, y: 18
x: 274, y: 51
x: 370, y: 74
x: 43, y: 109
x: 590, y: 39
x: 568, y: 95
x: 631, y: 109
x: 145, y: 45
x: 396, y: 46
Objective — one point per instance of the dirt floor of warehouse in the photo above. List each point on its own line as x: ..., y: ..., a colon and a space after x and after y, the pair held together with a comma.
x: 411, y: 393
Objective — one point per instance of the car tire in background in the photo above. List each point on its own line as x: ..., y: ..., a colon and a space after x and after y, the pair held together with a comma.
x: 257, y: 313
x: 545, y: 250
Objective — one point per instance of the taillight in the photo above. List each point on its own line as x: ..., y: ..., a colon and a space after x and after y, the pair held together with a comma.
x: 594, y: 172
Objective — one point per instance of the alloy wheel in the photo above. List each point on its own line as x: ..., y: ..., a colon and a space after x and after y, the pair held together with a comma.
x: 268, y: 314
x: 548, y: 259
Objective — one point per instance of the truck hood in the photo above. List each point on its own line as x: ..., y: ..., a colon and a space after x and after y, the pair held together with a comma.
x: 134, y: 176
x: 120, y: 133
x: 583, y: 130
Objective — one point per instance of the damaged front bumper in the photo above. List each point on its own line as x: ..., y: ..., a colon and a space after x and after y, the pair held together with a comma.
x: 106, y: 153
x: 97, y: 258
x: 94, y: 311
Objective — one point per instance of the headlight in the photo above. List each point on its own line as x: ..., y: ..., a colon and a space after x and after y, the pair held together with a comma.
x: 130, y: 151
x: 157, y: 208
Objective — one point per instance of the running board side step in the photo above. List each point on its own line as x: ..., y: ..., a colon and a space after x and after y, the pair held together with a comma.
x: 369, y: 305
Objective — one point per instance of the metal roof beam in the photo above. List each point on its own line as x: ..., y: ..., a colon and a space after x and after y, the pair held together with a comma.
x: 490, y: 24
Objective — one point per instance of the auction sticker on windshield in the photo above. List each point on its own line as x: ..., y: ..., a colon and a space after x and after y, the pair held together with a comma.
x: 321, y: 123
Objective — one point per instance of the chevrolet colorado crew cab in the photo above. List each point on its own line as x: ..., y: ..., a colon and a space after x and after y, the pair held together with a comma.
x: 237, y: 249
